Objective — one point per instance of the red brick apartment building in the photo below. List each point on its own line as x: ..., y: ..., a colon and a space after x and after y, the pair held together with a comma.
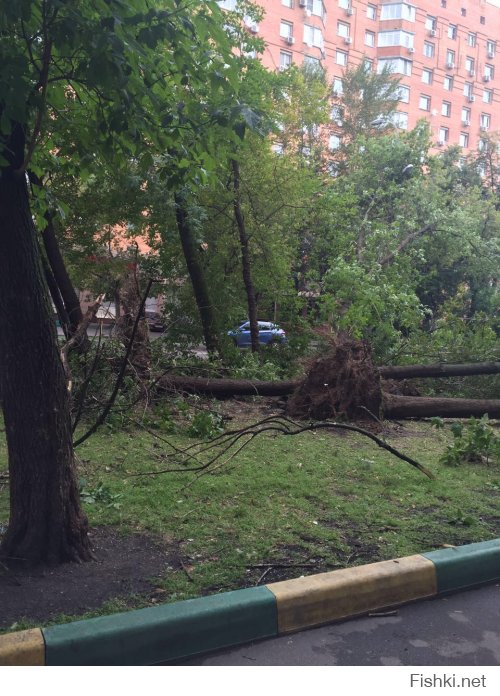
x: 447, y: 53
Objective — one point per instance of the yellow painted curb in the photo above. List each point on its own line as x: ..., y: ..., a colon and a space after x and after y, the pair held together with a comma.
x: 318, y: 599
x: 22, y: 648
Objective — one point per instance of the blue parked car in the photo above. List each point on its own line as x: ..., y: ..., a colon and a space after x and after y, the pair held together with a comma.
x: 268, y: 333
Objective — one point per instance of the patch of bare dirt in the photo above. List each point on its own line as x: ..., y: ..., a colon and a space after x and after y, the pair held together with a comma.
x: 124, y: 566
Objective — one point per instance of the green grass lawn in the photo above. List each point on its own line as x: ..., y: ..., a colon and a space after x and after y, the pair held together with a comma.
x: 303, y: 504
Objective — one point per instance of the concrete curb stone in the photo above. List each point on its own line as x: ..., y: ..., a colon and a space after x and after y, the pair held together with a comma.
x: 174, y: 631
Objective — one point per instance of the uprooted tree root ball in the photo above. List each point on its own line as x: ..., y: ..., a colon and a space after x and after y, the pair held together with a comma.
x: 343, y: 383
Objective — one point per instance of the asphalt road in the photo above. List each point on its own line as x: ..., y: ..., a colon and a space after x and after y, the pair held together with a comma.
x: 460, y: 629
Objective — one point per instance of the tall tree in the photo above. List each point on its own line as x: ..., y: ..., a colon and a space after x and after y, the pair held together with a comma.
x: 84, y: 79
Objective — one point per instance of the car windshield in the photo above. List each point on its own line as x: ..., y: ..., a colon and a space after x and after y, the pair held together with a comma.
x: 263, y: 326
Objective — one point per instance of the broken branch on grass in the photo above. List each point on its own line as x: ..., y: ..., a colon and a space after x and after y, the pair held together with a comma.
x: 281, y: 425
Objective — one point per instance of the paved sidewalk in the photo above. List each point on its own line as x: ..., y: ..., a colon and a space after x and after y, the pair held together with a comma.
x: 459, y: 629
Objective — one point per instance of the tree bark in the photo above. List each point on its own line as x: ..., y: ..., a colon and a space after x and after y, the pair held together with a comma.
x: 427, y: 407
x: 46, y: 521
x: 439, y: 370
x: 246, y: 263
x: 197, y: 276
x: 60, y: 273
x: 56, y: 261
x: 223, y: 388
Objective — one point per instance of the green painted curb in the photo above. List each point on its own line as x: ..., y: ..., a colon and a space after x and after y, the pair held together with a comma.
x: 166, y: 632
x: 464, y: 566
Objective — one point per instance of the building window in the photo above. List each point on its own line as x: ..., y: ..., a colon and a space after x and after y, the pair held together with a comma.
x: 429, y: 49
x: 395, y: 38
x: 312, y: 62
x: 369, y: 38
x: 468, y: 89
x: 427, y: 76
x: 343, y: 29
x: 465, y: 116
x: 450, y: 59
x: 403, y: 94
x: 446, y: 109
x: 286, y: 30
x: 285, y: 60
x: 313, y: 36
x: 395, y: 65
x: 471, y: 39
x: 443, y: 3
x: 463, y: 12
x: 452, y: 31
x: 463, y: 140
x: 469, y: 66
x: 444, y: 135
x: 491, y: 48
x: 316, y: 7
x: 398, y: 11
x: 368, y: 63
x: 399, y: 120
x: 337, y: 86
x: 487, y: 96
x: 287, y: 3
x: 334, y: 142
x: 485, y: 121
x: 345, y: 4
x: 482, y: 20
x: 424, y: 102
x: 336, y: 114
x: 430, y: 23
x: 489, y: 72
x: 448, y: 83
x: 371, y: 11
x: 341, y: 57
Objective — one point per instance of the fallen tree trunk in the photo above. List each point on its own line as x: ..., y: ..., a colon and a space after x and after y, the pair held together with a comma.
x: 439, y: 370
x: 222, y: 388
x: 427, y: 407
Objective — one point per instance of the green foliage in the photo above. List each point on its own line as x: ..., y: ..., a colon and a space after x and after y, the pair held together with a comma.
x: 475, y: 442
x: 368, y: 101
x: 100, y: 494
x: 251, y: 366
x: 206, y: 425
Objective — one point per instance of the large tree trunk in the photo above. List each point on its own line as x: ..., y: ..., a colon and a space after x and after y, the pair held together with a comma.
x: 197, y: 276
x: 245, y: 259
x: 439, y: 370
x: 427, y: 407
x: 46, y: 521
x: 223, y: 388
x: 70, y: 298
x: 60, y: 274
